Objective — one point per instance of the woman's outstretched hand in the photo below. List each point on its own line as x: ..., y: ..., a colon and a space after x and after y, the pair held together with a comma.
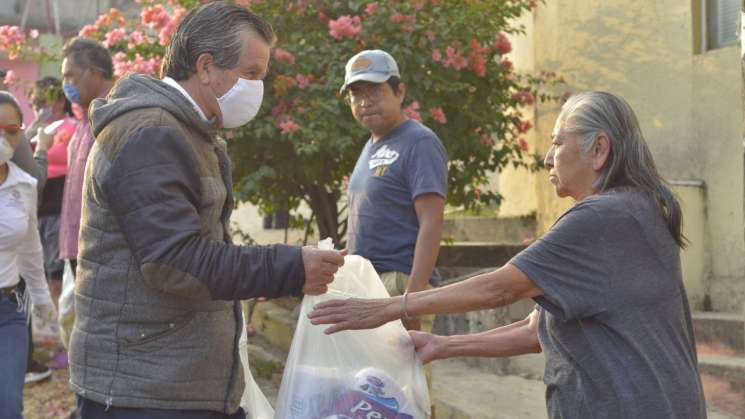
x: 428, y: 347
x: 355, y: 313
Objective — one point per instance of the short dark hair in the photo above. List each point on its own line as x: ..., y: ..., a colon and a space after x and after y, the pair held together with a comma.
x: 86, y: 52
x: 51, y: 89
x: 214, y: 28
x: 8, y: 99
x: 394, y: 82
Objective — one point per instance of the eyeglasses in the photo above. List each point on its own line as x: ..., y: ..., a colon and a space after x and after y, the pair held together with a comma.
x: 371, y: 93
x: 11, y: 129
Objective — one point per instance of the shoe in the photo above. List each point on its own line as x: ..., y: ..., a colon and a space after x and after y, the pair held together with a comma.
x: 36, y: 372
x: 59, y: 361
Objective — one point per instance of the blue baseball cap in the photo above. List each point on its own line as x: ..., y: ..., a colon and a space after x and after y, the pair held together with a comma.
x: 373, y: 65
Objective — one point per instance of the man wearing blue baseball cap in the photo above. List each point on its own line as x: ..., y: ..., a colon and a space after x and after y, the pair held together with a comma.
x: 399, y: 185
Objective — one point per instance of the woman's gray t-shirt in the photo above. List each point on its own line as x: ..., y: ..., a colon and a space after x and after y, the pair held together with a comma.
x: 615, y: 325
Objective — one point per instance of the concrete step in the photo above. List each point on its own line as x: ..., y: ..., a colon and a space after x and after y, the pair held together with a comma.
x: 470, y: 256
x: 267, y: 363
x: 722, y: 333
x: 512, y: 230
x: 274, y: 323
x: 463, y: 392
x: 723, y: 379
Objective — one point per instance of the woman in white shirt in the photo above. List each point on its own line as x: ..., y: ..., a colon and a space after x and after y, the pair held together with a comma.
x: 20, y: 255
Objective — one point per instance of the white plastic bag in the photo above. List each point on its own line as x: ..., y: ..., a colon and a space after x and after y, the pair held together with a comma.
x: 352, y: 374
x: 66, y: 311
x: 253, y: 401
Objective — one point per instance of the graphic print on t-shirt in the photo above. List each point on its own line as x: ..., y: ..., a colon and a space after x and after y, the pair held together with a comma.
x: 382, y: 159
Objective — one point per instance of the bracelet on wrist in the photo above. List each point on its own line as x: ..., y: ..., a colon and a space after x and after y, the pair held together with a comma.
x: 404, y: 312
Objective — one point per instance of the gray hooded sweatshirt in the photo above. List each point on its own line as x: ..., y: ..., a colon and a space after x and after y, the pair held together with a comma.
x: 158, y: 280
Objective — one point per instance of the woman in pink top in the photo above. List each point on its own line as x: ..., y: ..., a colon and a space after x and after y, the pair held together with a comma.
x: 50, y: 104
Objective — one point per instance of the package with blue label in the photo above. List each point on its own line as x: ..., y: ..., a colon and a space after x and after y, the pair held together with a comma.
x: 359, y: 374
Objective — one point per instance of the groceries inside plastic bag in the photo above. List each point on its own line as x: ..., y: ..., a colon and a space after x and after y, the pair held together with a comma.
x: 360, y: 374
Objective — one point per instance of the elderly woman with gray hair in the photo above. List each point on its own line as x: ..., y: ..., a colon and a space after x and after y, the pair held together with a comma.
x: 612, y: 316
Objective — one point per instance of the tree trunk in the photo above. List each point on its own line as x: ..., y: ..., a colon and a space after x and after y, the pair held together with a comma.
x: 325, y: 208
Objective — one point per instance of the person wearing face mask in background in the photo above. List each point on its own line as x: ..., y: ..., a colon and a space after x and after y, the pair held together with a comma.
x: 158, y: 281
x: 51, y: 105
x: 87, y: 74
x: 20, y: 254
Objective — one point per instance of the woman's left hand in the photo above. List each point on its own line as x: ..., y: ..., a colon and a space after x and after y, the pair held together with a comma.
x: 355, y: 313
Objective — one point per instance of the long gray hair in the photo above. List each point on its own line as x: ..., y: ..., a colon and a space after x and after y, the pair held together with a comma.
x: 629, y: 164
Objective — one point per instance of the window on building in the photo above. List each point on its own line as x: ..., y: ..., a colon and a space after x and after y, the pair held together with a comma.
x: 715, y: 23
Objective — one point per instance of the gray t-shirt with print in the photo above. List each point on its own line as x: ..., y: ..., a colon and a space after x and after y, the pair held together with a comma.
x: 614, y: 324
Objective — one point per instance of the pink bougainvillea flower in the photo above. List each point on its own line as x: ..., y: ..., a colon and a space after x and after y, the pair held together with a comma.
x: 436, y: 55
x: 345, y: 27
x: 371, y: 8
x: 103, y: 21
x: 501, y: 44
x: 524, y: 126
x: 288, y: 125
x: 114, y: 36
x: 302, y: 81
x: 412, y: 111
x: 455, y: 59
x: 282, y: 55
x: 524, y: 97
x: 10, y: 36
x: 430, y: 35
x: 33, y: 33
x: 406, y: 21
x: 300, y: 6
x: 121, y: 64
x: 165, y: 32
x: 136, y: 38
x: 522, y: 144
x: 438, y: 115
x: 477, y: 58
x: 155, y: 16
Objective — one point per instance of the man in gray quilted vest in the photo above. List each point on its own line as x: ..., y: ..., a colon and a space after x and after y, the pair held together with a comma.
x: 158, y: 280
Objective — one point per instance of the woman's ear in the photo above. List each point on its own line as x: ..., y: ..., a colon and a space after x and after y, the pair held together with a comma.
x: 601, y: 151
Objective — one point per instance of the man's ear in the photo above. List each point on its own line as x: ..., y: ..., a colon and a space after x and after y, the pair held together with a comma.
x: 204, y: 68
x: 601, y: 151
x: 401, y: 93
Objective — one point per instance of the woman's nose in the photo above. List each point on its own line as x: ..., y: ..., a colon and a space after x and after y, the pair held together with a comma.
x: 548, y: 161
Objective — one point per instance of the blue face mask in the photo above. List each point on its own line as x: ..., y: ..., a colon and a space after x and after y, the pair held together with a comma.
x: 71, y: 92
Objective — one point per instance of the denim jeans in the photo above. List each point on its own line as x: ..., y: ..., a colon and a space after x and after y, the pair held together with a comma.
x: 92, y: 410
x: 13, y: 348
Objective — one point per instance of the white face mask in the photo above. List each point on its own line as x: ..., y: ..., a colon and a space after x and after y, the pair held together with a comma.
x: 241, y: 103
x: 6, y: 150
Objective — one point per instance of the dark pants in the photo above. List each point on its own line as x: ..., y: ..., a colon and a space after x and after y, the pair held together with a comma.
x: 92, y: 410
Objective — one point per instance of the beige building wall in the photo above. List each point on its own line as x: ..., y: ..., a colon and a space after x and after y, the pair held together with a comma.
x: 518, y: 185
x: 688, y: 104
x: 247, y: 219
